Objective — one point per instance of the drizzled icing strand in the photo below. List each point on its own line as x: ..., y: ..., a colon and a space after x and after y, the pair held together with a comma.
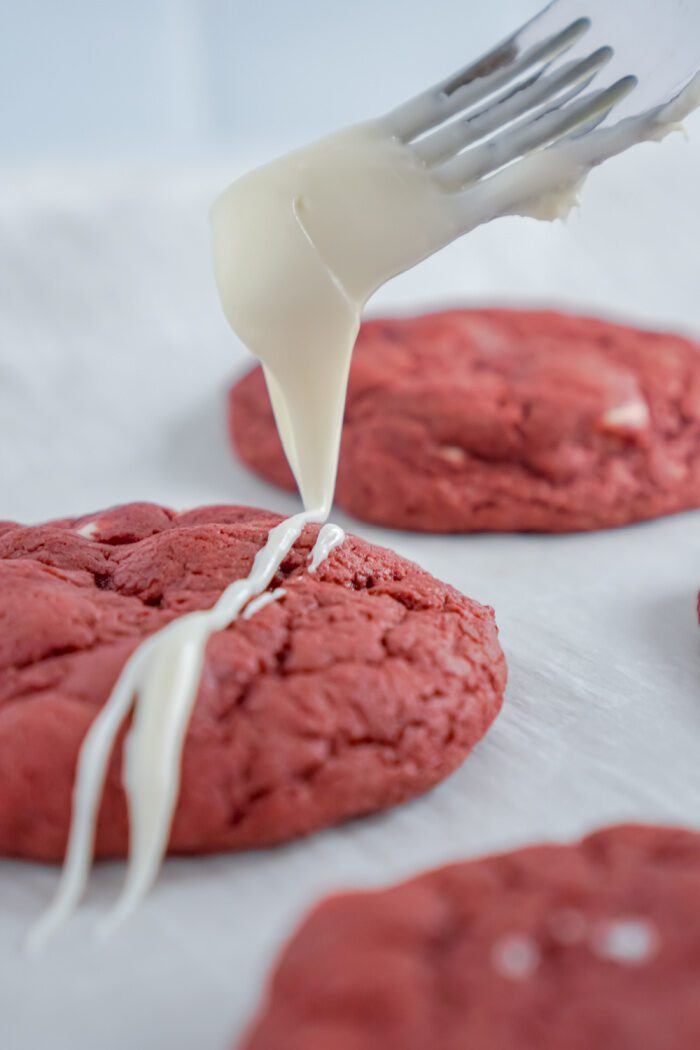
x: 259, y: 603
x: 160, y: 681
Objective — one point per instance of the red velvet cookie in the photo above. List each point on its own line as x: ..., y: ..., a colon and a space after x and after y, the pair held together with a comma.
x: 504, y: 420
x: 365, y: 685
x: 594, y: 946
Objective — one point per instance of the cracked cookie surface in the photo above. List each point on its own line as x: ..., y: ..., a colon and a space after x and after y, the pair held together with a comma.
x: 504, y: 420
x: 581, y: 947
x: 365, y: 686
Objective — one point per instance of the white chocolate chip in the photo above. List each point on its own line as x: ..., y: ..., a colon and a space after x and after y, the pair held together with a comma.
x: 515, y: 956
x: 88, y: 529
x: 631, y: 415
x: 488, y: 337
x: 630, y: 942
x: 453, y: 454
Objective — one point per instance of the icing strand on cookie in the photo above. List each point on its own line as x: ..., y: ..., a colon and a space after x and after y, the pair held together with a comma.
x: 259, y: 603
x: 160, y: 681
x: 89, y: 783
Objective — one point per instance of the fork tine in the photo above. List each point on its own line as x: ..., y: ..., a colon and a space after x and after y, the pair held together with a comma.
x: 535, y: 94
x: 531, y: 134
x: 479, y: 80
x: 545, y: 183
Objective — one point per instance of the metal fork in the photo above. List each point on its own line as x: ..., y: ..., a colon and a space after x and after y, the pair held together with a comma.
x: 531, y: 91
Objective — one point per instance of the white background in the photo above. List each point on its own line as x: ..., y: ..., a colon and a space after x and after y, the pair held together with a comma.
x: 114, y: 360
x: 182, y: 78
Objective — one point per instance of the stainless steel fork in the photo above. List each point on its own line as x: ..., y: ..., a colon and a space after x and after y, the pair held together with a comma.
x: 530, y: 91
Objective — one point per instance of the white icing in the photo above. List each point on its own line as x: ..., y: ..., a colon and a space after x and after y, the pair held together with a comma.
x: 260, y: 602
x: 330, y: 537
x: 629, y: 942
x: 515, y: 956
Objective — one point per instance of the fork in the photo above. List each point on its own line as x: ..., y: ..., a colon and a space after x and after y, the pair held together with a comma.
x: 530, y: 95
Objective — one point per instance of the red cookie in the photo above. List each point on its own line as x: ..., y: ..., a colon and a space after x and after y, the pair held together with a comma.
x: 364, y: 686
x: 504, y: 420
x: 594, y: 946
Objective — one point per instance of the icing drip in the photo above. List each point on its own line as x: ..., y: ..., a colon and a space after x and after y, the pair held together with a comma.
x: 330, y: 537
